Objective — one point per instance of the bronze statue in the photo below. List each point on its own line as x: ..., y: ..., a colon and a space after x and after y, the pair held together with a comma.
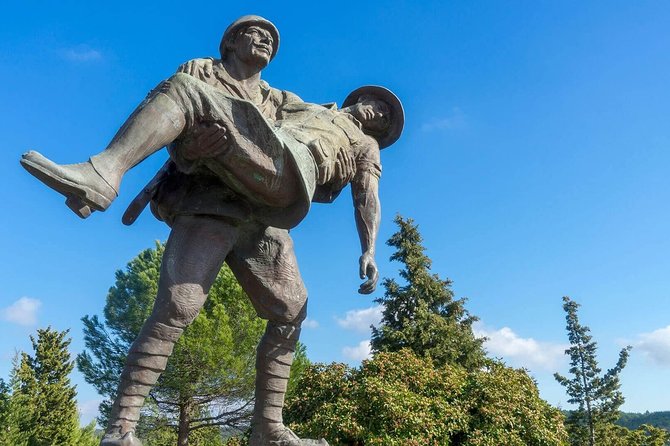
x: 246, y: 160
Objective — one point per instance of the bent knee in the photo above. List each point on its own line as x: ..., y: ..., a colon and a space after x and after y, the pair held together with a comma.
x: 283, y: 308
x: 182, y: 306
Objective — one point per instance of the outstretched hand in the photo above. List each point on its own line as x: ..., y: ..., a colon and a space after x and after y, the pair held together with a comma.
x: 368, y: 268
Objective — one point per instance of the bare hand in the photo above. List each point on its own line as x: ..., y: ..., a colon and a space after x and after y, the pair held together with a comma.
x: 345, y: 168
x: 368, y: 268
x: 208, y: 141
x: 197, y: 67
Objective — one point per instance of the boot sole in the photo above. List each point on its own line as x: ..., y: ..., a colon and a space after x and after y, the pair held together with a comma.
x: 80, y: 199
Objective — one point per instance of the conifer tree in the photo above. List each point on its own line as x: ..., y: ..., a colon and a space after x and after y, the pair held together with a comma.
x: 43, y: 410
x: 422, y: 314
x: 4, y: 412
x: 597, y: 396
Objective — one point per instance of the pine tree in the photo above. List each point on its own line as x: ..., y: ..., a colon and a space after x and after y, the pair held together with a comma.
x: 43, y: 410
x: 4, y: 412
x: 422, y: 314
x: 597, y: 396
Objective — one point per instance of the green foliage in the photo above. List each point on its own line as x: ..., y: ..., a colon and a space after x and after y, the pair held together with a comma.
x: 597, y: 396
x: 7, y: 418
x: 239, y: 440
x: 506, y: 409
x: 300, y: 364
x: 635, y: 420
x: 87, y: 436
x: 422, y: 314
x: 167, y: 436
x: 4, y: 405
x: 42, y: 407
x: 404, y: 400
x: 612, y: 435
x: 429, y: 382
x: 210, y: 375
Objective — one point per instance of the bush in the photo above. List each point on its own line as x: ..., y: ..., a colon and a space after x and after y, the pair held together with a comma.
x: 399, y: 399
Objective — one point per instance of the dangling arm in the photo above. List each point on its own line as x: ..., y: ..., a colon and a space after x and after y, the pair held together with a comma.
x: 367, y: 211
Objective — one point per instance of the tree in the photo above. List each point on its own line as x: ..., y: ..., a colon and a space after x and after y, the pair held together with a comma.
x: 209, y: 381
x: 300, y: 364
x: 429, y: 381
x: 88, y: 436
x: 635, y: 420
x: 645, y: 435
x: 43, y: 410
x: 399, y: 399
x: 4, y: 406
x: 5, y: 414
x: 597, y: 396
x: 422, y: 314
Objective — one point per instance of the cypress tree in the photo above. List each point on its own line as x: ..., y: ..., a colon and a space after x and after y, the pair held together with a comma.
x: 597, y: 396
x: 43, y: 406
x: 422, y: 314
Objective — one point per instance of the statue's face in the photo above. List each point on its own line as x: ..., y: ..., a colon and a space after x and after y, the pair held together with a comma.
x: 253, y: 45
x: 374, y: 114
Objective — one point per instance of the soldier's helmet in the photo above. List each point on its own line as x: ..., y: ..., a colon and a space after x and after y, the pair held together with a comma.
x: 245, y: 21
x: 394, y: 130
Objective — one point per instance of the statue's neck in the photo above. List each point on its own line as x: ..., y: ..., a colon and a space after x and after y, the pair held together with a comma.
x: 247, y: 75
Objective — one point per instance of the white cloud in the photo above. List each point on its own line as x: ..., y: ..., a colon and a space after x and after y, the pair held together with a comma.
x: 358, y: 353
x: 310, y: 323
x: 655, y: 345
x: 360, y: 320
x: 88, y: 410
x: 81, y: 53
x: 455, y: 119
x: 22, y: 312
x: 523, y: 352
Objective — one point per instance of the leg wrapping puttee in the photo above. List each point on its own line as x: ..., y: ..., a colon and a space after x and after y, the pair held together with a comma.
x: 273, y: 368
x: 146, y: 361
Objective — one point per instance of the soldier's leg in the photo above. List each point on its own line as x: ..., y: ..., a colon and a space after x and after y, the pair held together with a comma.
x: 193, y: 256
x: 265, y: 265
x: 94, y: 184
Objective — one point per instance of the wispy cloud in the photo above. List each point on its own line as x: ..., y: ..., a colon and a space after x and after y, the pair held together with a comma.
x: 88, y: 410
x: 655, y: 346
x: 360, y: 320
x: 22, y: 312
x: 522, y: 352
x: 81, y: 53
x: 454, y: 119
x: 358, y: 353
x: 310, y: 323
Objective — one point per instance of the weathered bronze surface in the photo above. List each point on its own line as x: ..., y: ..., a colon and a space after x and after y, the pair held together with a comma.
x: 246, y: 161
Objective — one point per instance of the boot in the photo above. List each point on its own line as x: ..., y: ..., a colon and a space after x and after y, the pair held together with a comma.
x: 283, y: 437
x: 274, y: 357
x: 116, y: 439
x: 84, y: 188
x: 94, y: 184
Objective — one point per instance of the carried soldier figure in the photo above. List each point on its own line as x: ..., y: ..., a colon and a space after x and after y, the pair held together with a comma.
x: 246, y: 161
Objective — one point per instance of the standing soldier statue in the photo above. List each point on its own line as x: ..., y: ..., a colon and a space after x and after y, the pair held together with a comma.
x: 246, y: 161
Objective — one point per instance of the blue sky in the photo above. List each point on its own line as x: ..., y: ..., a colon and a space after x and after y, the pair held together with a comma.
x: 534, y: 159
